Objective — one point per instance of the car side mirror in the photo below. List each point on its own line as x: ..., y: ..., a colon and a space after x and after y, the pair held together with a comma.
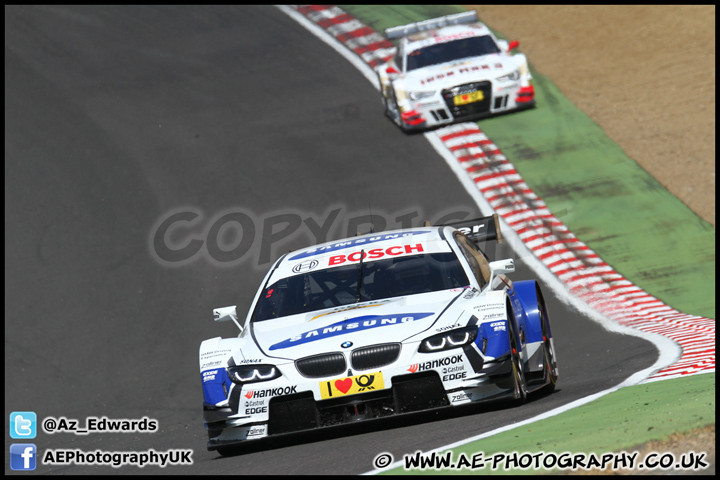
x: 226, y: 314
x: 391, y: 71
x: 514, y: 44
x: 501, y: 281
x: 502, y: 266
x: 499, y: 269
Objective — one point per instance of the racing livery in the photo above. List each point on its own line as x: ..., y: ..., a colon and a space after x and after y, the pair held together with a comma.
x: 372, y: 326
x: 452, y: 68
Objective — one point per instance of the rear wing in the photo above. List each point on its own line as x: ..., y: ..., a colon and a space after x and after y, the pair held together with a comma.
x: 480, y: 229
x: 411, y: 28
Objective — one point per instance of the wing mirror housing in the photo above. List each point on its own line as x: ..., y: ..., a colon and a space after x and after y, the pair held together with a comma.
x: 227, y: 314
x: 503, y: 266
x: 499, y: 270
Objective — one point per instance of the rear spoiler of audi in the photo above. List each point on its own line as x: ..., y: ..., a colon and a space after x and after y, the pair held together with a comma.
x: 479, y: 229
x: 434, y: 23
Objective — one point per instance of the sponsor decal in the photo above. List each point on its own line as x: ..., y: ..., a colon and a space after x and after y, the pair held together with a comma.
x: 488, y: 316
x: 247, y: 360
x: 454, y: 376
x: 490, y: 306
x: 255, y: 410
x: 271, y: 392
x: 375, y: 253
x: 353, y: 307
x: 453, y: 369
x: 449, y: 327
x: 210, y: 365
x: 455, y: 372
x: 351, y: 243
x: 305, y: 266
x: 475, y: 229
x: 257, y: 430
x: 255, y: 403
x: 209, y: 375
x: 419, y: 367
x: 356, y: 324
x: 454, y: 36
x: 470, y: 69
x: 498, y: 326
x: 214, y: 353
x: 460, y: 397
x: 351, y: 385
x: 472, y: 292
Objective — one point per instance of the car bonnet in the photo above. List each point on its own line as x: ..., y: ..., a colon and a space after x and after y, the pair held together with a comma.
x: 463, y: 71
x: 369, y: 323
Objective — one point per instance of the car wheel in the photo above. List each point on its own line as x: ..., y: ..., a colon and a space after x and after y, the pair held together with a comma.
x: 549, y: 358
x: 394, y: 113
x: 517, y: 367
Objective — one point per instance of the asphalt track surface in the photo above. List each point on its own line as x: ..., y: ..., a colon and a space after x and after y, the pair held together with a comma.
x: 117, y: 117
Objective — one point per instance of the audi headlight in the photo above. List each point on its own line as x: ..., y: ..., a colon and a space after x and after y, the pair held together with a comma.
x: 253, y: 373
x: 415, y: 96
x: 509, y: 77
x: 447, y: 340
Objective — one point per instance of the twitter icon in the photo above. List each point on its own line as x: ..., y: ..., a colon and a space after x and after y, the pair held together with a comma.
x: 23, y: 425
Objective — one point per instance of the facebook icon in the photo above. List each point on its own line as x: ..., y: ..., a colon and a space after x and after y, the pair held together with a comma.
x: 23, y: 456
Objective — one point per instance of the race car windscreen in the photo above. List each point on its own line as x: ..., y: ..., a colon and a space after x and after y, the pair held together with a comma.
x: 334, y: 287
x: 449, y: 51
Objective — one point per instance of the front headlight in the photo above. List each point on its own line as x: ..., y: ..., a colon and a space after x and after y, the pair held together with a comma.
x: 447, y: 340
x: 415, y: 96
x: 509, y: 77
x: 253, y: 373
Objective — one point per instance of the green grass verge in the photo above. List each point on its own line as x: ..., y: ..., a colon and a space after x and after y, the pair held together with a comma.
x: 605, y: 198
x: 618, y: 421
x: 609, y: 202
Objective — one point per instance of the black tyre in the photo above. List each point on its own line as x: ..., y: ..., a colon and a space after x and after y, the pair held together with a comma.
x: 517, y: 367
x: 549, y: 358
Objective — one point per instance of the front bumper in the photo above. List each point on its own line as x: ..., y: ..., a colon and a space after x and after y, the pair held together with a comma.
x: 409, y: 393
x: 423, y: 115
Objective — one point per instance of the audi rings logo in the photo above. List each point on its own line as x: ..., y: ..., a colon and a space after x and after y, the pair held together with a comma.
x: 305, y: 266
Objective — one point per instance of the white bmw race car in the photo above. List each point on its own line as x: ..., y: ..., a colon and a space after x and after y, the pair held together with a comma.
x: 450, y: 69
x: 372, y: 326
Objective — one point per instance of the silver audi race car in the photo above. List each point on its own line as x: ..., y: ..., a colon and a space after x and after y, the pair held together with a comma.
x: 452, y: 68
x: 374, y: 326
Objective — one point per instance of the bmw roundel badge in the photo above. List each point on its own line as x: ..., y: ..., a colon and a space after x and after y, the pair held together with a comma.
x: 346, y: 344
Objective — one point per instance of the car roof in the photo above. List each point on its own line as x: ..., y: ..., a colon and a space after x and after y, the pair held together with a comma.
x: 339, y: 252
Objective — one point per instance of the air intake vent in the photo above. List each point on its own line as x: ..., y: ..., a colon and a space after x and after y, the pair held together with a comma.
x: 376, y: 356
x: 469, y: 99
x: 323, y: 365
